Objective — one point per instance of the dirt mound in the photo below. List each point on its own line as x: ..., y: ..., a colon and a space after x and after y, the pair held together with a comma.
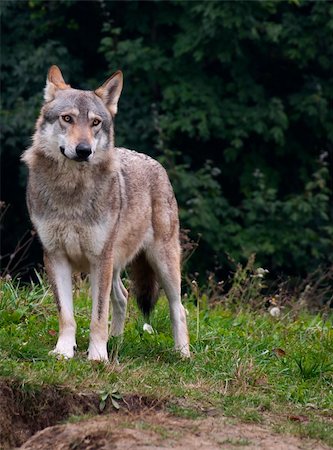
x: 26, y: 410
x: 141, y: 423
x: 158, y: 430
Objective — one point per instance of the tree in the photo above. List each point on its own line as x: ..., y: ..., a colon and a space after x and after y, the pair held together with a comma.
x: 233, y: 97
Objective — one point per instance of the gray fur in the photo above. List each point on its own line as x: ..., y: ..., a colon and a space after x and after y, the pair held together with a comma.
x: 97, y: 216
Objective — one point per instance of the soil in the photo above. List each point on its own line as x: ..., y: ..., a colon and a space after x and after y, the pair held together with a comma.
x: 154, y: 431
x: 141, y: 423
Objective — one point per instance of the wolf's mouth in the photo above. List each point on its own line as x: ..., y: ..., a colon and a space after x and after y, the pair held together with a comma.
x: 78, y: 159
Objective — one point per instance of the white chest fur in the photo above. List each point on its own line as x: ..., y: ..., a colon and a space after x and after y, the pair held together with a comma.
x: 80, y: 242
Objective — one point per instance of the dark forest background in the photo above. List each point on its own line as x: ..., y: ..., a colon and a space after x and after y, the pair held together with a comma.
x: 234, y: 98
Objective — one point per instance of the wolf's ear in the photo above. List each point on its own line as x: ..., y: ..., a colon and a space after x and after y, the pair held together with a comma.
x: 110, y: 91
x: 54, y: 82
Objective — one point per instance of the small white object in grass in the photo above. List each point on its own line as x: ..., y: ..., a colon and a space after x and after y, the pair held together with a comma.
x: 260, y: 272
x: 275, y: 311
x: 148, y: 328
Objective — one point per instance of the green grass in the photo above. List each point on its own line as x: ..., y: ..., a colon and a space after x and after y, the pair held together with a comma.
x: 235, y: 368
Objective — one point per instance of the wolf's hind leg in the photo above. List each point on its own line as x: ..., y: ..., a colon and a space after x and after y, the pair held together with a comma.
x: 165, y: 258
x: 59, y: 273
x: 119, y: 297
x: 101, y: 280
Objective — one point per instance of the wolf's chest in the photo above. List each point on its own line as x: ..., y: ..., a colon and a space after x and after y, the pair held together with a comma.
x: 79, y: 241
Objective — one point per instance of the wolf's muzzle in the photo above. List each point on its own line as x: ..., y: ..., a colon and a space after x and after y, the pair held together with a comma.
x: 83, y: 151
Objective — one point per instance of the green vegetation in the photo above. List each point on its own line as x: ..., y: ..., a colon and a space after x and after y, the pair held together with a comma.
x: 246, y: 364
x: 233, y: 97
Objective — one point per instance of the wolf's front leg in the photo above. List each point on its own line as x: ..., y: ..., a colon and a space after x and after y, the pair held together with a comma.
x: 101, y: 281
x: 59, y: 273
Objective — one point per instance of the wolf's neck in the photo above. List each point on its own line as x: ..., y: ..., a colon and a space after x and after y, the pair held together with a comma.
x: 66, y: 183
x: 72, y: 177
x: 73, y: 192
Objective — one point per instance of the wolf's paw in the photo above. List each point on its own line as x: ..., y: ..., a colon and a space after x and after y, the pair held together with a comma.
x: 97, y: 352
x: 63, y: 352
x: 184, y: 352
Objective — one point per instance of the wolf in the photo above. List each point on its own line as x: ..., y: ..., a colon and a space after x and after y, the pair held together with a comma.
x: 98, y: 208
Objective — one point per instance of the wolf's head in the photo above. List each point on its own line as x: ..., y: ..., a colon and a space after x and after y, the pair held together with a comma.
x: 76, y: 124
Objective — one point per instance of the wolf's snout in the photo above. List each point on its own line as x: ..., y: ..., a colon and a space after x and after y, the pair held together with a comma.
x: 83, y: 151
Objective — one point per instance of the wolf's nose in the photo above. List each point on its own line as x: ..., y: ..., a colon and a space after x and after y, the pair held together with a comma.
x: 83, y: 150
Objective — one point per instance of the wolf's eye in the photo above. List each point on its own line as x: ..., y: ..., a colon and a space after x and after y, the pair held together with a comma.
x: 96, y: 122
x: 67, y: 118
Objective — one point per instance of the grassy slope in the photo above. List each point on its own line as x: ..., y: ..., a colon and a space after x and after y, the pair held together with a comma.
x: 246, y: 365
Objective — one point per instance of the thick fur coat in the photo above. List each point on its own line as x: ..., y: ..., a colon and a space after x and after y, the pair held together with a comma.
x: 98, y: 208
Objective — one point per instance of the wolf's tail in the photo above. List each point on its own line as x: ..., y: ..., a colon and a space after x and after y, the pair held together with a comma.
x: 146, y: 288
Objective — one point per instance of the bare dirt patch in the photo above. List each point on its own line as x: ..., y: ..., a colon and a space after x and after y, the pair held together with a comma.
x: 30, y: 419
x: 158, y: 430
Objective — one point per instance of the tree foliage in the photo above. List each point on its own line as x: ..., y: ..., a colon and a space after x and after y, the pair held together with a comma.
x: 234, y: 97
